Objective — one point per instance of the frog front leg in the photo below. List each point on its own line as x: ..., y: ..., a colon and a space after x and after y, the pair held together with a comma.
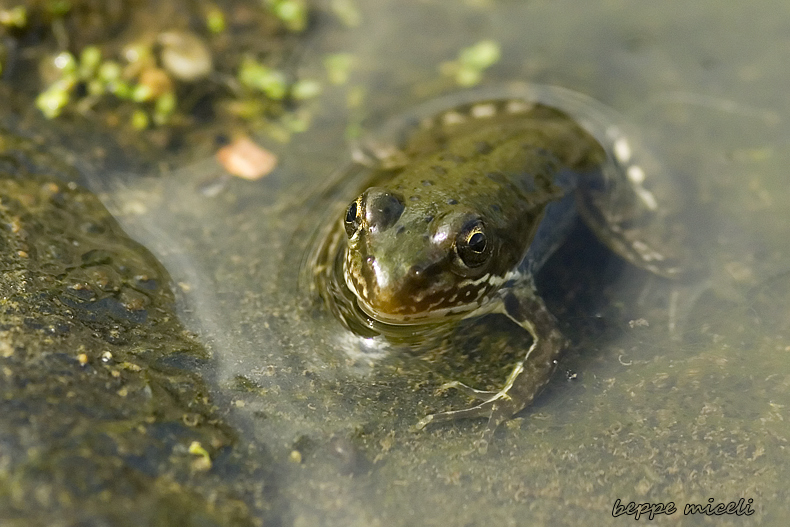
x: 524, y: 307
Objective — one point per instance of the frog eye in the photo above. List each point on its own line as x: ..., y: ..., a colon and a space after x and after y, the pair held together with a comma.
x: 472, y: 244
x: 352, y: 220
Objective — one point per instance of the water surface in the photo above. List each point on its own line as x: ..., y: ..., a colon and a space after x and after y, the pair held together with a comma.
x: 646, y: 418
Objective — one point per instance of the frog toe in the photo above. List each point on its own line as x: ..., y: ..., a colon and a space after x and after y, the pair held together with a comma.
x: 481, y: 410
x: 482, y: 395
x: 501, y: 411
x: 498, y: 409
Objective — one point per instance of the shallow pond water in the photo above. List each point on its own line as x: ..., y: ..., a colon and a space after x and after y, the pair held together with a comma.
x: 631, y: 414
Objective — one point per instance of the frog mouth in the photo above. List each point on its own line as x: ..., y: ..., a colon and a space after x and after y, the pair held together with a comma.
x: 361, y: 289
x: 411, y: 319
x: 401, y: 312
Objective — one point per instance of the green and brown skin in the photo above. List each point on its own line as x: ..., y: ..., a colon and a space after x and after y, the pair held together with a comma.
x: 448, y: 234
x: 413, y: 241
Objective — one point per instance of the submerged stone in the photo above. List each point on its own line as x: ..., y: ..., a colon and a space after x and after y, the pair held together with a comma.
x: 101, y: 396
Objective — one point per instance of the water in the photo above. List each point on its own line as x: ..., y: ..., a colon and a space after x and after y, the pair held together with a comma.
x: 648, y: 419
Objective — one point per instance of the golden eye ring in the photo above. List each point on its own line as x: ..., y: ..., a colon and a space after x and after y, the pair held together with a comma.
x: 472, y: 244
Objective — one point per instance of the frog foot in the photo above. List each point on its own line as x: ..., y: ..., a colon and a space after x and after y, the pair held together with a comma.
x: 482, y: 395
x: 497, y: 406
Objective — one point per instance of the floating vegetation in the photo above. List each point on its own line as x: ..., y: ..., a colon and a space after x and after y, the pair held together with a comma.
x: 338, y: 67
x: 468, y: 68
x: 136, y: 69
x: 133, y: 67
x: 347, y: 11
x: 293, y: 13
x: 16, y: 17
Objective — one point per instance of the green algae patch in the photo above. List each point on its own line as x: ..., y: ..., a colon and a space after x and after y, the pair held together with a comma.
x: 104, y: 415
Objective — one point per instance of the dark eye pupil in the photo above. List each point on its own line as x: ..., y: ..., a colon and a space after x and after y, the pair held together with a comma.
x: 351, y: 214
x: 352, y: 222
x: 477, y: 242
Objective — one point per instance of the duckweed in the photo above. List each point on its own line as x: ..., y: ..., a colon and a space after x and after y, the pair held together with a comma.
x: 14, y: 17
x: 468, y: 69
x: 338, y: 66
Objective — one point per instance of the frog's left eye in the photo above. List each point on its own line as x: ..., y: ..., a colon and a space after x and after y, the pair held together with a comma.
x: 472, y: 244
x: 352, y: 220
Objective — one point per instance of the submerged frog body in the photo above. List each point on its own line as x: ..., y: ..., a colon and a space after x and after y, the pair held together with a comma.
x: 457, y: 222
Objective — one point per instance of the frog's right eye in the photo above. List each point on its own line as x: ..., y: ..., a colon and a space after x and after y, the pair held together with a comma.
x: 472, y: 245
x: 352, y: 220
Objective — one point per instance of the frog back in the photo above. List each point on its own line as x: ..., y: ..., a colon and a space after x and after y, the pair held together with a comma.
x: 513, y: 164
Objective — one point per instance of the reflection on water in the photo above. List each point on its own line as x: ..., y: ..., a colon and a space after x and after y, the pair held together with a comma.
x: 632, y: 414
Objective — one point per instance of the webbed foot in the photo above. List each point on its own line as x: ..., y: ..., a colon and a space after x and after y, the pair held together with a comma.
x: 498, y: 408
x: 474, y: 393
x: 528, y: 376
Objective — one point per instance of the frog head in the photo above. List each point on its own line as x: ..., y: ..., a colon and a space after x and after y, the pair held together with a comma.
x: 410, y: 260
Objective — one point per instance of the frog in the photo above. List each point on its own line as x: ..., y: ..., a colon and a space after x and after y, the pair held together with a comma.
x: 456, y: 221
